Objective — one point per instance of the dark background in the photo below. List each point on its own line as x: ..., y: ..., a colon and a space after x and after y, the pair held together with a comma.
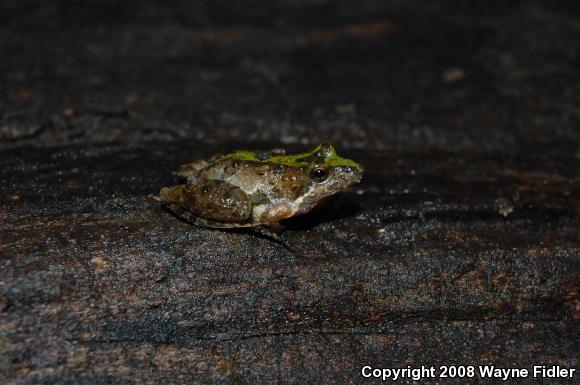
x: 485, y: 76
x: 460, y: 246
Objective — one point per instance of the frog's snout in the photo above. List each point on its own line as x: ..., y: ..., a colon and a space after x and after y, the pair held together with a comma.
x: 356, y: 173
x: 347, y: 176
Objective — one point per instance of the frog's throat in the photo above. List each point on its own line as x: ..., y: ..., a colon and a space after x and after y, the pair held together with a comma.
x: 302, y: 205
x: 306, y: 202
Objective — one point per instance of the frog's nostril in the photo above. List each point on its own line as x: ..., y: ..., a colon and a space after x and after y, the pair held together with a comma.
x: 357, y: 173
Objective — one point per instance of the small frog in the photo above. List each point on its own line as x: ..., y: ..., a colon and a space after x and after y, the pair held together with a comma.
x: 258, y: 188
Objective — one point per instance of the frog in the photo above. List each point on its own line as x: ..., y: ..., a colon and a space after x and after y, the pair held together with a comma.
x: 258, y: 188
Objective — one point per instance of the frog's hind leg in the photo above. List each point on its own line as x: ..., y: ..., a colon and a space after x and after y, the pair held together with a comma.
x: 260, y: 231
x: 192, y: 219
x: 217, y: 204
x: 177, y: 196
x: 213, y: 200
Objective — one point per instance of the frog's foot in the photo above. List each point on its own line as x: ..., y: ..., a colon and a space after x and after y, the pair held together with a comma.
x: 273, y: 228
x: 156, y: 198
x: 181, y: 213
x: 268, y: 232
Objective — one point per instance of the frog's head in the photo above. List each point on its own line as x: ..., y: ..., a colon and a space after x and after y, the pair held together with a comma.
x: 327, y: 174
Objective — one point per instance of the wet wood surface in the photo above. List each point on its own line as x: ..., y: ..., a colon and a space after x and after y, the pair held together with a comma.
x: 460, y: 246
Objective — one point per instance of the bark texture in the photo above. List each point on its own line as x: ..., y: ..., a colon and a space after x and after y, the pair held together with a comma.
x: 460, y: 246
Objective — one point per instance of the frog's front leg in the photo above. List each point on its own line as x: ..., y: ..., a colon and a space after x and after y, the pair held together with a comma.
x: 211, y: 199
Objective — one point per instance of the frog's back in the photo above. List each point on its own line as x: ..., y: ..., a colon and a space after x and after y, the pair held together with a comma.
x: 261, y: 179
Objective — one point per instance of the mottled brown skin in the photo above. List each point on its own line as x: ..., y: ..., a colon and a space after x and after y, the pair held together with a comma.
x: 228, y: 203
x: 258, y: 188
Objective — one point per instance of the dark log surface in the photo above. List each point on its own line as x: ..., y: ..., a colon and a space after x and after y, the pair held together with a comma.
x: 460, y: 246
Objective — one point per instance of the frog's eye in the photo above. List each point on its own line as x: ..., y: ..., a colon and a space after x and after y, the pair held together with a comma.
x: 319, y: 174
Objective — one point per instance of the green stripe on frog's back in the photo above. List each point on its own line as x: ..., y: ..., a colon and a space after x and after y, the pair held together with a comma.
x: 297, y: 160
x: 331, y: 159
x: 241, y: 155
